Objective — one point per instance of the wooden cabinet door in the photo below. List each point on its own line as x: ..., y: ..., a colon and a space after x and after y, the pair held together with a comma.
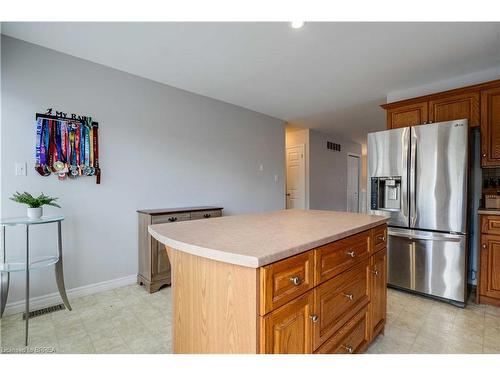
x: 407, y: 115
x: 490, y: 266
x: 378, y: 292
x: 490, y: 128
x: 288, y: 330
x: 456, y: 107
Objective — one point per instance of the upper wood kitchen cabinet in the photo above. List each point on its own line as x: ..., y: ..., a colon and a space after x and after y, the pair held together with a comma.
x: 479, y: 104
x: 490, y: 127
x: 455, y: 107
x: 407, y: 115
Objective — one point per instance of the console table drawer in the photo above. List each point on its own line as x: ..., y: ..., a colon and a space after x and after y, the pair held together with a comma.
x: 171, y: 218
x: 205, y: 214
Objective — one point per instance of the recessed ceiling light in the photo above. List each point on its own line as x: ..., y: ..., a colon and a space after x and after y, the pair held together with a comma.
x: 297, y: 24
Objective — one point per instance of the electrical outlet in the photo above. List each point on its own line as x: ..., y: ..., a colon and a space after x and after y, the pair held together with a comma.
x: 261, y: 167
x: 276, y: 179
x: 20, y: 169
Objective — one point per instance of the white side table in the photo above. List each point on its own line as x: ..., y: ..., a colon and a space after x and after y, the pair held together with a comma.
x: 30, y: 264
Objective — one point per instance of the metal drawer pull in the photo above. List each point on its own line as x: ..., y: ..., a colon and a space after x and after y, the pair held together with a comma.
x: 381, y: 237
x: 314, y: 318
x: 348, y: 296
x: 484, y: 246
x: 348, y: 348
x: 295, y: 280
x: 172, y: 219
x: 206, y: 216
x: 351, y: 253
x: 375, y: 272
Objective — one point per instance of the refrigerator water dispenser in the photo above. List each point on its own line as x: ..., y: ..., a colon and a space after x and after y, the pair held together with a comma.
x: 386, y: 193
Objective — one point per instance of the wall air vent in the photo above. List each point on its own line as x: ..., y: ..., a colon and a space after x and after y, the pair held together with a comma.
x: 333, y: 146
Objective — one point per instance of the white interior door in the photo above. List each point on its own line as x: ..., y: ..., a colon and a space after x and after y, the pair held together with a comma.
x: 295, y: 177
x: 353, y: 183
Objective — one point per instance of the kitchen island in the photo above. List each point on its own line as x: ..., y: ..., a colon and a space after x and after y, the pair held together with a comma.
x: 291, y: 281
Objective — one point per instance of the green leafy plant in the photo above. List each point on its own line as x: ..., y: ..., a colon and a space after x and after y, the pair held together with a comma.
x: 34, y: 202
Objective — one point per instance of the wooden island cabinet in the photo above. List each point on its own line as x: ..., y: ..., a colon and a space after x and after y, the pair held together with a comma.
x: 328, y: 299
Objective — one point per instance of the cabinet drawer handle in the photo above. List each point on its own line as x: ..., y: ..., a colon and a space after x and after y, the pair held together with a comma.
x: 484, y: 246
x: 206, y: 216
x: 314, y: 318
x: 375, y: 272
x: 172, y: 219
x: 351, y: 253
x: 348, y: 296
x: 295, y: 280
x: 484, y: 155
x: 381, y: 237
x: 347, y: 348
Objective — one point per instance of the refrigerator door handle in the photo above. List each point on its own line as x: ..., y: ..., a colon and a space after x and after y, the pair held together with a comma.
x: 413, y: 179
x: 431, y: 237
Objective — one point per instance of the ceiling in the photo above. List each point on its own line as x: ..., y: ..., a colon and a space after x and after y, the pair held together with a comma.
x: 326, y: 76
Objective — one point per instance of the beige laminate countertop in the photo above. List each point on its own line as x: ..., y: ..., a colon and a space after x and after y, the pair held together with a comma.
x: 254, y: 240
x: 488, y: 211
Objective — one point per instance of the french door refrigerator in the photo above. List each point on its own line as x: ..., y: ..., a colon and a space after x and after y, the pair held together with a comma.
x: 417, y: 176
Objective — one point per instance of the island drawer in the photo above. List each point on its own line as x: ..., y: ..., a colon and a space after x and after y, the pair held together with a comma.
x: 339, y: 299
x: 351, y: 338
x: 490, y: 224
x: 285, y: 280
x: 205, y: 214
x: 159, y: 219
x: 336, y: 257
x: 379, y: 236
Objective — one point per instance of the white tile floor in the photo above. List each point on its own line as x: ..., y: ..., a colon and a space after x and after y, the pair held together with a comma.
x: 420, y: 325
x: 124, y: 320
x: 130, y: 320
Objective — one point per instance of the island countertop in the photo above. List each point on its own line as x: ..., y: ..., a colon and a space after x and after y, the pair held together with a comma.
x: 254, y: 240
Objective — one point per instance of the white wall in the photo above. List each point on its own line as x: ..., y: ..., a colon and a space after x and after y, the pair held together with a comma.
x: 443, y: 85
x: 159, y: 147
x: 328, y: 171
x: 299, y: 136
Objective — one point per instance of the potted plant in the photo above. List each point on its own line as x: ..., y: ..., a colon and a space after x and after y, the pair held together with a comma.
x: 35, y: 204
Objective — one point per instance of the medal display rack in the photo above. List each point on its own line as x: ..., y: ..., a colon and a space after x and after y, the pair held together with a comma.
x: 67, y: 146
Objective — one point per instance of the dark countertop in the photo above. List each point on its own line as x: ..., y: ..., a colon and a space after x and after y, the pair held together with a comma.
x: 175, y: 210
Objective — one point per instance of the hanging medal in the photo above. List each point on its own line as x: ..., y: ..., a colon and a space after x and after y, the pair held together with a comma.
x: 39, y: 142
x: 96, y: 154
x: 45, y: 149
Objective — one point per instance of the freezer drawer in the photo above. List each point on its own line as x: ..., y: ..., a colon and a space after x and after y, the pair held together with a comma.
x: 427, y: 262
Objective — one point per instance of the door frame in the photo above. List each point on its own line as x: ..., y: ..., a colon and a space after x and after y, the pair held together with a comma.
x: 352, y: 154
x: 306, y: 201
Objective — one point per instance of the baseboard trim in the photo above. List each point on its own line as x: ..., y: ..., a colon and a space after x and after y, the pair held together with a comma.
x: 54, y: 298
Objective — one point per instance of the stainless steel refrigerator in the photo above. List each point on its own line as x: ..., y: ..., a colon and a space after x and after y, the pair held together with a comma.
x: 417, y: 176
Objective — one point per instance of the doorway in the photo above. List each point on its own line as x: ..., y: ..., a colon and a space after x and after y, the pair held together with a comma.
x: 353, y: 177
x: 295, y: 177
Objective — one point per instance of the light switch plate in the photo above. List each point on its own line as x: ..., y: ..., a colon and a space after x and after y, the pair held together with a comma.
x: 20, y: 168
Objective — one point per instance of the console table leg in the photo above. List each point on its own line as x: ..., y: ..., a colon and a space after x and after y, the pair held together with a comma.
x: 4, y: 279
x: 5, y: 291
x: 59, y: 269
x: 27, y: 296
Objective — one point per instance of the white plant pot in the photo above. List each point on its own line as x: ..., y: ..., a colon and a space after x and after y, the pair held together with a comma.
x: 35, y: 213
